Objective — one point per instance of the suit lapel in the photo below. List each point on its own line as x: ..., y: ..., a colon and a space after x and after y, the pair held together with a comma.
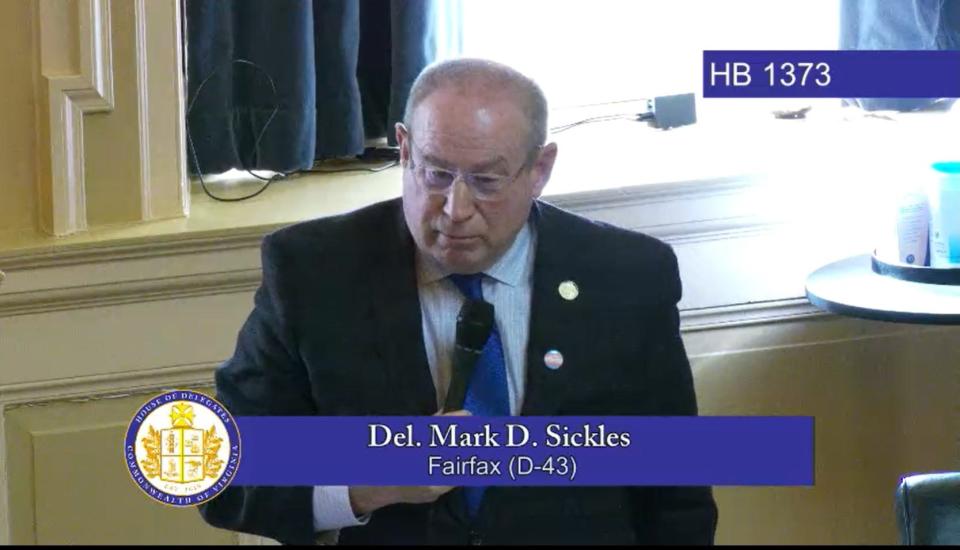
x: 395, y: 309
x: 552, y: 319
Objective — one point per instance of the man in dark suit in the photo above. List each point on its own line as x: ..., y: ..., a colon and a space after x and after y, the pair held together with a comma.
x: 355, y: 316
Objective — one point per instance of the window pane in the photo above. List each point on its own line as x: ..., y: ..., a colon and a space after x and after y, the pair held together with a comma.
x: 608, y: 50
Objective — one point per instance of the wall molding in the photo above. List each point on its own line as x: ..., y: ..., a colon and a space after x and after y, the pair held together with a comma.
x: 680, y: 212
x: 738, y: 315
x: 128, y: 292
x: 107, y: 386
x: 653, y: 193
x: 132, y: 249
x: 70, y: 97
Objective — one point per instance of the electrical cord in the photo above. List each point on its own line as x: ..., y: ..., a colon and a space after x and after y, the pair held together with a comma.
x: 354, y: 169
x: 256, y: 143
x: 371, y: 153
x: 603, y: 118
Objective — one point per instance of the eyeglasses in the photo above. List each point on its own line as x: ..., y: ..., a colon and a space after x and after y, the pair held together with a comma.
x: 436, y: 180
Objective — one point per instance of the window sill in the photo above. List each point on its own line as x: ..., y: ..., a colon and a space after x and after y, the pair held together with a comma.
x: 300, y: 198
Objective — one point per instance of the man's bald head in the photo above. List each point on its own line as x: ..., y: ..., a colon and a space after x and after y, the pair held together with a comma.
x: 472, y: 147
x: 487, y: 79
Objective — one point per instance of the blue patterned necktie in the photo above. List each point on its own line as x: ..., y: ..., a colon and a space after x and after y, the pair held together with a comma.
x: 487, y: 393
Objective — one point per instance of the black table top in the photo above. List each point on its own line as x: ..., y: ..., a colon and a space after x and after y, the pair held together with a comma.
x: 850, y: 287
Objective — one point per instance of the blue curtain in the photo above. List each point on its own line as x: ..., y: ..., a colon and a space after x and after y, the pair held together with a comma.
x: 900, y: 25
x: 342, y: 70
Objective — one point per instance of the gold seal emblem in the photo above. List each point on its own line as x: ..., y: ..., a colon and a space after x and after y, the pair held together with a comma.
x: 182, y: 448
x: 181, y: 453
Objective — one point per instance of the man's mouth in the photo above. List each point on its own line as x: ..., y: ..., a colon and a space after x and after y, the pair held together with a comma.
x: 457, y: 239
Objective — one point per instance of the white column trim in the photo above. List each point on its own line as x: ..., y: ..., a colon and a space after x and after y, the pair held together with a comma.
x: 164, y: 185
x: 143, y: 111
x: 70, y: 98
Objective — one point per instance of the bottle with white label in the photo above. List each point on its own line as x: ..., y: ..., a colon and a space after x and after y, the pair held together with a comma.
x: 904, y: 227
x: 913, y: 229
x: 944, y: 197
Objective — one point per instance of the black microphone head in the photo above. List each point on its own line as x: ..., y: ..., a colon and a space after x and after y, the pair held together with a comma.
x: 474, y: 324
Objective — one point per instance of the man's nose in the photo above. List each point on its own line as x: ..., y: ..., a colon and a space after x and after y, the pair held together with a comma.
x: 459, y: 201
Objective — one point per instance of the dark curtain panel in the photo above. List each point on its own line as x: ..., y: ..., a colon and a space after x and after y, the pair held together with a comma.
x: 342, y: 71
x: 396, y: 42
x: 900, y: 25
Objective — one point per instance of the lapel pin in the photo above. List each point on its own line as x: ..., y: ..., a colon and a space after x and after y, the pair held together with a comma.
x: 568, y: 290
x: 553, y: 359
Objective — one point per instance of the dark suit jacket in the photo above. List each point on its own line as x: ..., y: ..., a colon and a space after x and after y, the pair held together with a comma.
x: 336, y: 330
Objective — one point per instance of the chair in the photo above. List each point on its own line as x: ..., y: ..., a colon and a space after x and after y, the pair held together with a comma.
x: 928, y: 509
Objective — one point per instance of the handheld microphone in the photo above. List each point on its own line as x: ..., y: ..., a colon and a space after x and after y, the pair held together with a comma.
x: 474, y: 325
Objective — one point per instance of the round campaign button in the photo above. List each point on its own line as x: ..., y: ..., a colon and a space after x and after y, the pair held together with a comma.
x: 553, y: 359
x: 568, y: 290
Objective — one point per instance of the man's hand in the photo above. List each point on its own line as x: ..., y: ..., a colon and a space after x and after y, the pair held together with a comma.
x: 365, y: 500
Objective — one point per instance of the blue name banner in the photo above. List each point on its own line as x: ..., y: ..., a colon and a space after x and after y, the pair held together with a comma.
x: 831, y: 73
x: 464, y: 451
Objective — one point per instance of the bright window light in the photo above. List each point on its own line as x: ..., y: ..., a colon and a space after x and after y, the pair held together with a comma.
x: 585, y: 53
x: 602, y: 57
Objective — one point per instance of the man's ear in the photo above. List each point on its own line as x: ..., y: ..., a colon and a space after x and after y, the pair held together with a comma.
x: 543, y: 167
x: 401, y: 133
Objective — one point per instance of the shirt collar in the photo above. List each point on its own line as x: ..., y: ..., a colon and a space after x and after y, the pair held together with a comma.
x: 512, y: 268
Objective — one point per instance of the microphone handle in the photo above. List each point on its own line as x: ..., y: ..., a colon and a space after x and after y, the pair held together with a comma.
x: 464, y: 362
